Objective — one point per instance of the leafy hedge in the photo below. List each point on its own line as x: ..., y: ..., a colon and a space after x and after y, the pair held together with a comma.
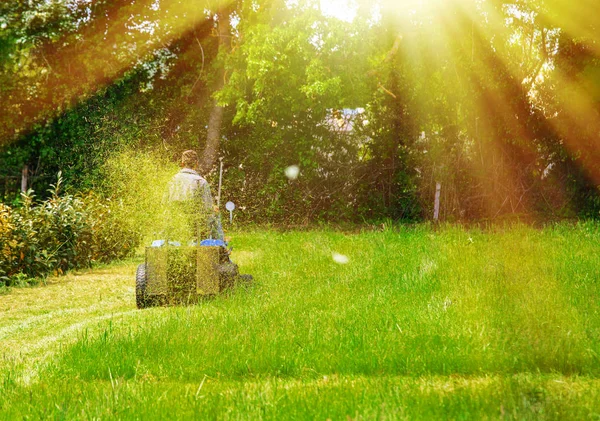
x: 61, y: 233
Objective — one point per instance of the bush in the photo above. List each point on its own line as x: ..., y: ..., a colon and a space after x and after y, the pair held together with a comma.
x: 61, y: 233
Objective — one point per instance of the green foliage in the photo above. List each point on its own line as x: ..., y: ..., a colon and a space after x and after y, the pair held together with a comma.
x: 290, y: 84
x: 60, y: 233
x: 496, y: 101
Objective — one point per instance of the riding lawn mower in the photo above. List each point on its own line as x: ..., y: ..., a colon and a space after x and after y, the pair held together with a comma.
x: 173, y: 274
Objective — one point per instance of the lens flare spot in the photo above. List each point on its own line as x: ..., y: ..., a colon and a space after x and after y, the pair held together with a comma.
x: 292, y: 172
x: 340, y: 259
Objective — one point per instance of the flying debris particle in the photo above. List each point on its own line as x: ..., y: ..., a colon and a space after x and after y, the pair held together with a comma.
x: 340, y: 258
x: 292, y: 172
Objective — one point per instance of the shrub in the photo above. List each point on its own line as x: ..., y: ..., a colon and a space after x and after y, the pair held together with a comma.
x: 8, y: 244
x: 61, y: 233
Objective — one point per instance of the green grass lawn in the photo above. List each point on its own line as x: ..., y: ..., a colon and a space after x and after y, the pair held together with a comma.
x: 418, y: 324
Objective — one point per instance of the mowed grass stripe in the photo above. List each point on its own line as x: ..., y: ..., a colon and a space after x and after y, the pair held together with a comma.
x: 36, y: 322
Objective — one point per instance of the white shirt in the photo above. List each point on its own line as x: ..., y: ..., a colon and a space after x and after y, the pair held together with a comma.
x: 187, y: 185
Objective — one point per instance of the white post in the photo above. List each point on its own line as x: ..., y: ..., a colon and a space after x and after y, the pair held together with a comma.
x: 24, y: 174
x: 220, y: 182
x: 436, y: 207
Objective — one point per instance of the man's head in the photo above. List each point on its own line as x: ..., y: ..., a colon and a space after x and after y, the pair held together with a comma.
x: 189, y: 159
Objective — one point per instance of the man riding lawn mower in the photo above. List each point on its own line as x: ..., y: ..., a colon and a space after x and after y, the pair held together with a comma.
x: 175, y: 274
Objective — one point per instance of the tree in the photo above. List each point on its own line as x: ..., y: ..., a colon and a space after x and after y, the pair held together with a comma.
x: 496, y: 100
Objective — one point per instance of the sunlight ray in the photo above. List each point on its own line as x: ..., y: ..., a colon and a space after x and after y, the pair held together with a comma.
x: 96, y: 61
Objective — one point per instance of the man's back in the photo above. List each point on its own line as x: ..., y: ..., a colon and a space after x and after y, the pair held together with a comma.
x: 190, y: 193
x: 188, y: 185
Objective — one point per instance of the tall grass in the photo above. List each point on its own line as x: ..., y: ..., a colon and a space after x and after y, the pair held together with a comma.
x: 139, y: 179
x: 407, y: 303
x: 418, y: 323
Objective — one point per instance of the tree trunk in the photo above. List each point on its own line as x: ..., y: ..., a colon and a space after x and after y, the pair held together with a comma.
x: 215, y: 120
x: 24, y: 177
x: 213, y: 137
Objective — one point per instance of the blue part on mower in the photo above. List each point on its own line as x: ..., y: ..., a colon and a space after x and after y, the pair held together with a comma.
x: 160, y: 243
x: 206, y: 243
x: 213, y: 243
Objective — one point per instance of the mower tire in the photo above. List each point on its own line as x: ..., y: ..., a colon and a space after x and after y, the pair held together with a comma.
x: 140, y: 286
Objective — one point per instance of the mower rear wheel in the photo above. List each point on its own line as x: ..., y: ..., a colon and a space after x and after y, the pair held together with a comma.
x: 140, y: 286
